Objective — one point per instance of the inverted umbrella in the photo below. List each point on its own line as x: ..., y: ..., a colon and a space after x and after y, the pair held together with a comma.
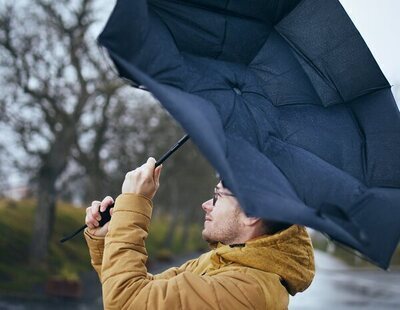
x: 285, y: 100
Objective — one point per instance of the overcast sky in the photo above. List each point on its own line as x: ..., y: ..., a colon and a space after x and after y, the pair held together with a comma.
x: 379, y: 24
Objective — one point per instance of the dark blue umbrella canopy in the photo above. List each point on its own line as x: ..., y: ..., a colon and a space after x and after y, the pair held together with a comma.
x: 285, y: 100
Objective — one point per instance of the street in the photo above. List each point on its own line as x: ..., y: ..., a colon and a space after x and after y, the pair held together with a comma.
x: 337, y: 286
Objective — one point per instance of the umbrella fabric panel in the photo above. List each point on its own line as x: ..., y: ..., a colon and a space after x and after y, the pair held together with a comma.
x: 219, y: 29
x: 379, y: 122
x: 212, y: 34
x: 378, y: 210
x: 271, y: 11
x: 282, y: 78
x: 291, y: 146
x: 149, y: 46
x: 332, y: 51
x: 329, y: 133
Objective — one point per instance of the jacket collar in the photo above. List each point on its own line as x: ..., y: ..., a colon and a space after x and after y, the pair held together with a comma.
x: 288, y: 253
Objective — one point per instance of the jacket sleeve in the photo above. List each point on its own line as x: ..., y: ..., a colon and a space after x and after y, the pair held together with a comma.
x: 96, y: 249
x: 174, y: 271
x: 125, y: 282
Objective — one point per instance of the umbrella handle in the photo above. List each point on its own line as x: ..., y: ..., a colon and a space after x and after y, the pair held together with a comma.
x: 105, y: 215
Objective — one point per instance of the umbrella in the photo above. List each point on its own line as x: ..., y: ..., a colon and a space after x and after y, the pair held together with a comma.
x: 284, y: 98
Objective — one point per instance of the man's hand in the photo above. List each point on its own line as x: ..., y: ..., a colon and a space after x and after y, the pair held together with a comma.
x: 144, y: 180
x: 93, y: 216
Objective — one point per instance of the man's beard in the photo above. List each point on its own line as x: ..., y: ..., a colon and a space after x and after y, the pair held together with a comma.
x: 209, y: 240
x: 225, y: 235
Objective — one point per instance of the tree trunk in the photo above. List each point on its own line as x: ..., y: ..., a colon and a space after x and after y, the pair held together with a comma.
x: 44, y: 218
x: 53, y: 166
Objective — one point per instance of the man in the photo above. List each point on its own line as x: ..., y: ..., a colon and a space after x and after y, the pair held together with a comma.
x: 247, y: 269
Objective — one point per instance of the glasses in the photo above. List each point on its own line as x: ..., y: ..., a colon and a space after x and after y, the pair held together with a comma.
x: 219, y: 194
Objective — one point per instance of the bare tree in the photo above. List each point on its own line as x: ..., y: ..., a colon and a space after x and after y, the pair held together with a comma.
x: 58, y: 95
x: 67, y: 109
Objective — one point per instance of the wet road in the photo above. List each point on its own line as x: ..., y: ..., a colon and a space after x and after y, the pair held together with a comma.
x: 336, y: 286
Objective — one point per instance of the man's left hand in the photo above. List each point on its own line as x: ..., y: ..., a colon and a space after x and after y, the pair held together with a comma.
x: 144, y: 180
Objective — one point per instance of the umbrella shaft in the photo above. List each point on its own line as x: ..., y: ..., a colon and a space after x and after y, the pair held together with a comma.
x: 159, y: 162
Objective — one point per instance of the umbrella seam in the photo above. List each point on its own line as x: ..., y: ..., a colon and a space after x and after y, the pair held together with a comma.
x: 225, y: 27
x: 328, y: 81
x: 360, y: 131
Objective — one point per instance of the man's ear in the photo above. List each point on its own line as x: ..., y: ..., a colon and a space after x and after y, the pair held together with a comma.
x: 251, y: 221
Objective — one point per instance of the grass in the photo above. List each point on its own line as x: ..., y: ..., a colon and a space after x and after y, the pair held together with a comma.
x: 68, y: 260
x: 65, y: 260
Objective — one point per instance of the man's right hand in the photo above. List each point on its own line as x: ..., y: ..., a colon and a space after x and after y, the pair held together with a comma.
x: 93, y: 216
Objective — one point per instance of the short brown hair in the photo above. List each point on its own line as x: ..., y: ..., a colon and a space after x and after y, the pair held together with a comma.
x: 273, y: 227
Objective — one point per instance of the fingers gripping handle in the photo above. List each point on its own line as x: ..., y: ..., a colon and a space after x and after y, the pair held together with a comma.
x: 105, y: 217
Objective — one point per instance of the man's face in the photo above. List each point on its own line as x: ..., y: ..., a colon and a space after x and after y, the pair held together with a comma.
x: 223, y: 221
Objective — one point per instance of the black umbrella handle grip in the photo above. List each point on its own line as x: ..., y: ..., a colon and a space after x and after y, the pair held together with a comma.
x: 105, y: 218
x: 105, y: 215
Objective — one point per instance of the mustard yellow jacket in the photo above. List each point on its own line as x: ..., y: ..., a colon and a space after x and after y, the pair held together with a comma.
x: 257, y: 275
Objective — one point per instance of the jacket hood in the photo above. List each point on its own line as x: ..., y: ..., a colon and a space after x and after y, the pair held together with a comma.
x: 288, y: 254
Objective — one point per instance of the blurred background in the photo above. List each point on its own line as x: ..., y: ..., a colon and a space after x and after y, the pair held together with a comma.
x: 69, y: 132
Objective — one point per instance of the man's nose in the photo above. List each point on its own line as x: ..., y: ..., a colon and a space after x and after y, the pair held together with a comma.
x: 207, y: 205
